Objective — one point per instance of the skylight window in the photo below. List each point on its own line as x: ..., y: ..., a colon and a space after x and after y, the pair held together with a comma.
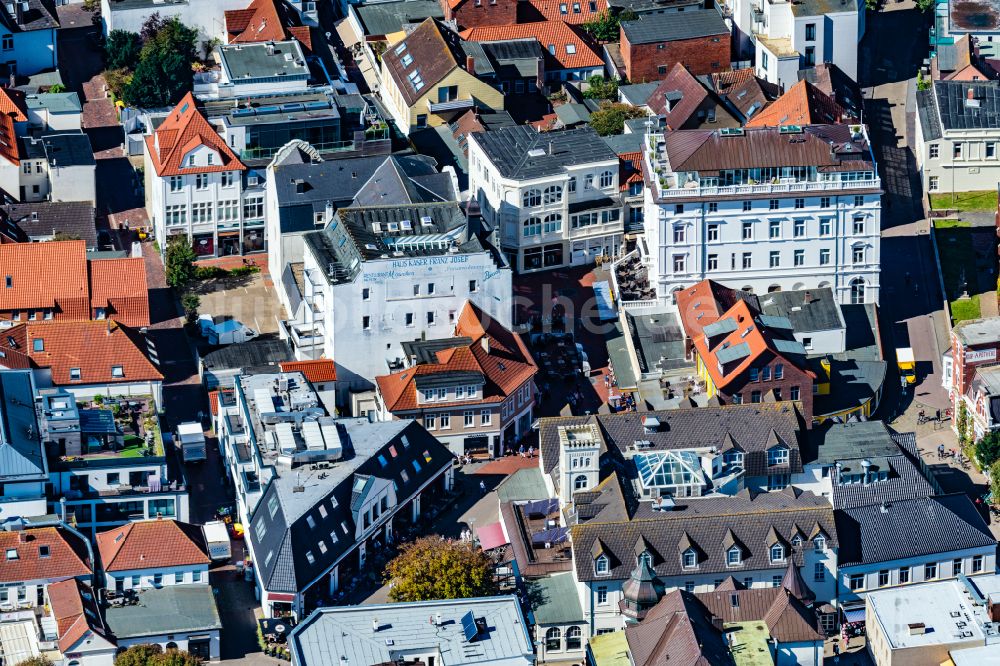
x: 407, y: 60
x: 571, y: 49
x: 400, y: 48
x: 413, y: 75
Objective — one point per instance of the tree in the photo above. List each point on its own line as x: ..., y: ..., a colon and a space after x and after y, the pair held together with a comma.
x: 924, y: 5
x: 601, y: 88
x: 160, y: 79
x: 56, y: 88
x: 92, y: 6
x: 190, y: 302
x: 988, y: 449
x: 179, y: 262
x: 176, y: 658
x: 605, y: 28
x: 611, y: 117
x: 40, y: 660
x: 122, y: 49
x: 117, y: 80
x: 152, y: 25
x: 995, y: 481
x: 436, y: 568
x: 138, y: 655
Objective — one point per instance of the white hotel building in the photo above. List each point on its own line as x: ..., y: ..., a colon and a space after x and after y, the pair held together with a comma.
x: 552, y: 197
x: 764, y: 210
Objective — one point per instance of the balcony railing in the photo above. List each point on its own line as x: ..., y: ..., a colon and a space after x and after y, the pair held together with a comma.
x: 454, y: 105
x: 769, y: 188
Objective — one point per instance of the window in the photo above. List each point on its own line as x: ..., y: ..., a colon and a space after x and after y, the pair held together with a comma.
x: 679, y: 263
x: 602, y: 595
x: 201, y: 181
x: 588, y: 181
x: 859, y: 226
x: 679, y: 233
x: 201, y: 212
x: 485, y: 417
x: 956, y: 566
x: 227, y: 179
x: 366, y: 323
x: 819, y: 572
x: 763, y: 60
x: 74, y: 373
x: 991, y: 150
x: 810, y: 32
x: 930, y: 571
x: 580, y: 483
x: 253, y: 208
x: 689, y: 586
x: 777, y: 455
x: 532, y: 226
x: 774, y: 259
x: 571, y: 184
x: 824, y: 257
x: 824, y: 202
x: 779, y: 371
x: 553, y: 223
x: 176, y: 183
x: 552, y: 194
x: 800, y: 203
x: 689, y: 559
x: 574, y: 634
x: 713, y: 233
x: 810, y: 56
x: 933, y: 151
x: 825, y: 226
x: 932, y: 182
x: 755, y: 374
x: 473, y: 286
x: 858, y: 254
x: 117, y: 371
x: 157, y: 579
x: 713, y: 207
x: 601, y: 563
x: 430, y: 317
x: 678, y: 209
x: 734, y: 557
x: 956, y: 151
x: 883, y: 578
x: 859, y: 200
x: 469, y: 418
x: 747, y: 206
x: 366, y: 294
x: 748, y: 231
x: 38, y: 344
x: 563, y: 8
x: 793, y: 393
x: 799, y: 228
x: 773, y: 204
x: 904, y: 575
x: 856, y: 582
x: 8, y: 42
x: 977, y: 563
x: 777, y: 552
x: 421, y: 118
x: 607, y: 179
x: 776, y: 581
x: 409, y: 318
x: 713, y: 262
x: 799, y: 257
x: 774, y: 229
x: 430, y: 421
x: 754, y: 396
x: 445, y: 421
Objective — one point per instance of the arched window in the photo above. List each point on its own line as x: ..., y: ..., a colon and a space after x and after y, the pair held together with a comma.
x: 553, y: 639
x: 171, y: 645
x: 553, y: 194
x: 532, y: 226
x: 574, y: 638
x: 777, y: 552
x: 748, y: 289
x: 646, y: 557
x: 774, y: 288
x: 553, y: 223
x: 819, y: 543
x: 857, y: 290
x: 689, y: 558
x: 532, y: 198
x: 601, y: 565
x: 580, y: 483
x: 607, y: 179
x: 734, y: 556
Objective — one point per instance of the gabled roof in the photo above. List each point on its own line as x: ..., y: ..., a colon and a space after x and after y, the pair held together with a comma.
x: 45, y: 275
x: 183, y: 130
x: 803, y: 104
x: 317, y: 371
x: 93, y: 347
x: 404, y: 179
x: 41, y: 553
x: 119, y: 286
x: 74, y: 607
x: 22, y: 454
x: 427, y: 55
x: 12, y: 105
x: 787, y: 618
x: 266, y: 21
x: 44, y: 219
x: 554, y: 36
x: 570, y: 11
x: 678, y: 630
x: 685, y: 94
x: 674, y: 26
x: 11, y: 111
x: 40, y: 15
x: 152, y: 544
x: 486, y: 350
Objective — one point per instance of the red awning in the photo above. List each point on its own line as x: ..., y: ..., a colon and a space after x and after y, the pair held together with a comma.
x: 280, y: 596
x: 491, y: 536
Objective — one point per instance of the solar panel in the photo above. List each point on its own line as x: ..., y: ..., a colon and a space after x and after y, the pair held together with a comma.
x: 469, y: 626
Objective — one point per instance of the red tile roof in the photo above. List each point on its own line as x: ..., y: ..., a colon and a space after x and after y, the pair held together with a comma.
x: 66, y: 558
x: 629, y: 170
x: 265, y: 21
x: 119, y: 286
x: 12, y: 105
x: 11, y: 111
x: 184, y: 130
x: 45, y: 275
x: 317, y: 372
x: 803, y: 104
x: 496, y: 352
x: 551, y: 10
x: 75, y: 616
x: 93, y: 347
x: 557, y: 34
x: 152, y: 544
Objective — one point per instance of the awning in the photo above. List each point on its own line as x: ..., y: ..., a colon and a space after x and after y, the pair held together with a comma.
x: 605, y: 301
x: 854, y: 614
x: 280, y: 596
x: 491, y: 536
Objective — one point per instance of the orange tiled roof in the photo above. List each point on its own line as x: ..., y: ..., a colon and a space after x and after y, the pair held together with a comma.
x: 93, y: 347
x: 66, y: 558
x: 12, y: 105
x: 119, y: 285
x: 44, y: 275
x: 551, y: 10
x: 803, y: 104
x: 630, y: 170
x: 151, y: 544
x: 317, y: 372
x: 12, y: 111
x: 184, y: 130
x: 263, y: 21
x: 67, y: 604
x: 503, y: 360
x: 557, y: 34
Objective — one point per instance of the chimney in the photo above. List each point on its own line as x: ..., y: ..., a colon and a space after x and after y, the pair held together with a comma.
x: 917, y: 628
x: 375, y: 624
x: 470, y: 64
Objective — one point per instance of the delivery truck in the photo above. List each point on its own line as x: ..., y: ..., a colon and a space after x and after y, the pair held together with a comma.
x: 217, y: 540
x: 190, y: 439
x: 907, y: 365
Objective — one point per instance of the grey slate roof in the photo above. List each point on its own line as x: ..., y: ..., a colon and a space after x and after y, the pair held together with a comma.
x: 957, y: 114
x: 508, y: 149
x: 264, y: 352
x: 171, y: 609
x: 45, y: 218
x: 930, y: 121
x: 636, y: 94
x: 524, y: 484
x: 808, y: 310
x: 282, y: 542
x: 711, y: 525
x: 555, y: 600
x: 405, y: 180
x: 67, y: 149
x: 626, y: 143
x: 21, y: 454
x: 331, y: 633
x: 672, y: 26
x: 55, y: 102
x: 910, y: 528
x: 386, y: 17
x: 41, y: 15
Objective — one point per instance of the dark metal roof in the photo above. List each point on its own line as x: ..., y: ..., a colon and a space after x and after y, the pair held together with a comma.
x: 41, y: 15
x: 68, y: 149
x: 441, y: 379
x: 262, y: 352
x: 404, y: 179
x: 45, y: 218
x: 673, y: 26
x: 509, y: 150
x: 910, y: 528
x: 956, y: 111
x: 808, y: 310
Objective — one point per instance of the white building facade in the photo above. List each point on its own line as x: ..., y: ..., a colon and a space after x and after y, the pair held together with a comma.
x: 811, y: 219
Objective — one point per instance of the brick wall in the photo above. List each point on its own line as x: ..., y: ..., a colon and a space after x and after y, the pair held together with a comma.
x: 475, y: 13
x: 791, y: 376
x: 650, y: 62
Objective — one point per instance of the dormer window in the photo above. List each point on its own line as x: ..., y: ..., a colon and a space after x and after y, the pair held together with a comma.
x: 777, y: 553
x: 796, y: 540
x: 819, y: 543
x: 689, y: 558
x: 646, y: 557
x: 777, y: 455
x: 734, y: 557
x: 601, y: 565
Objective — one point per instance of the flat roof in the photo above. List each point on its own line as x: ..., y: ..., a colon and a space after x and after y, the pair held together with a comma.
x: 975, y: 16
x: 270, y: 59
x: 944, y: 608
x: 978, y: 331
x: 344, y: 634
x: 983, y: 655
x: 555, y: 600
x: 171, y: 609
x: 610, y: 649
x: 749, y: 642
